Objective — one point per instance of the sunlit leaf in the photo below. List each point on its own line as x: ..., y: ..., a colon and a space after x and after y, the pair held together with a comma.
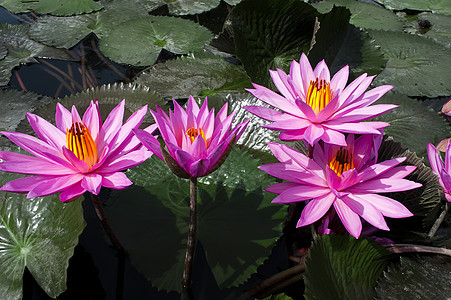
x: 270, y: 34
x: 197, y: 75
x: 435, y: 6
x: 237, y: 224
x: 65, y: 7
x: 39, y: 234
x: 341, y: 267
x: 415, y: 278
x: 138, y: 42
x: 416, y: 66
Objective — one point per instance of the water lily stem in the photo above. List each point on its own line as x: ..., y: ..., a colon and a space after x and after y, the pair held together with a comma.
x: 106, y: 226
x: 409, y: 248
x: 190, y: 244
x: 437, y: 222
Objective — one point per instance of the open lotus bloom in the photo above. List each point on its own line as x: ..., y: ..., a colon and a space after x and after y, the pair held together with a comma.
x: 443, y: 171
x: 77, y: 155
x: 341, y: 180
x: 314, y: 107
x: 196, y: 141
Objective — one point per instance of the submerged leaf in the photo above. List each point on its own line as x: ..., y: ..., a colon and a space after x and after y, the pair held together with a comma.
x: 348, y: 267
x: 237, y: 224
x: 39, y: 234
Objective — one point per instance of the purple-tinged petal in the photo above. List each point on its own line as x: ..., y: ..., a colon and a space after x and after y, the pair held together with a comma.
x: 347, y: 179
x: 288, y: 124
x: 287, y: 172
x: 92, y: 182
x: 344, y: 95
x: 448, y: 158
x: 306, y: 111
x: 75, y: 161
x: 34, y: 166
x: 313, y: 133
x: 385, y: 185
x: 301, y: 193
x: 149, y: 141
x: 331, y: 136
x: 322, y: 71
x: 387, y: 206
x: 165, y: 130
x: 117, y: 181
x: 198, y: 148
x: 315, y: 209
x: 54, y: 184
x: 398, y: 172
x: 280, y: 187
x: 112, y: 124
x: 192, y: 106
x: 363, y: 113
x: 273, y: 99
x: 295, y: 74
x: 127, y: 161
x: 266, y: 113
x: 339, y: 81
x: 360, y: 89
x: 292, y: 135
x: 200, y: 167
x: 63, y: 118
x: 72, y: 193
x: 445, y: 180
x: 434, y: 159
x: 47, y: 132
x: 222, y: 114
x: 373, y: 95
x: 280, y: 81
x: 306, y: 72
x: 203, y: 113
x: 350, y: 219
x: 75, y: 115
x: 184, y: 159
x: 23, y: 185
x: 358, y: 128
x: 327, y: 111
x: 380, y: 168
x: 366, y: 210
x: 92, y: 119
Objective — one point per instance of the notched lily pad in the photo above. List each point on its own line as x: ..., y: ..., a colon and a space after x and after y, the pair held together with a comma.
x: 143, y: 39
x: 437, y: 27
x: 435, y: 6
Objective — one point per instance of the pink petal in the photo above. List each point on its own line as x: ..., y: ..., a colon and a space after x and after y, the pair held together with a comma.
x: 339, y: 81
x: 34, y: 166
x: 301, y: 193
x: 322, y: 71
x: 357, y: 128
x: 52, y: 185
x: 398, y: 172
x: 192, y: 106
x: 387, y: 206
x: 315, y: 209
x: 364, y: 113
x: 47, y: 132
x: 347, y: 92
x: 200, y: 167
x: 127, y: 161
x: 92, y: 182
x: 313, y: 133
x: 72, y: 193
x: 117, y: 181
x: 222, y: 114
x: 278, y: 188
x: 92, y: 119
x: 77, y: 163
x: 434, y: 159
x: 149, y: 141
x: 385, y: 185
x: 273, y: 99
x: 280, y: 81
x: 63, y: 118
x: 331, y: 136
x: 288, y: 124
x: 366, y: 210
x: 266, y: 113
x: 350, y: 219
x: 23, y: 185
x: 380, y: 168
x: 112, y: 123
x: 289, y: 173
x: 292, y: 135
x: 295, y: 74
x: 184, y: 159
x: 306, y: 72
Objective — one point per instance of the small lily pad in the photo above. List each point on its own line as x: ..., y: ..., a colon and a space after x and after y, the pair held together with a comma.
x: 138, y: 42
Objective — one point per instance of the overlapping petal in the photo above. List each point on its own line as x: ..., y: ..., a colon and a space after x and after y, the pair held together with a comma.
x: 440, y: 168
x: 335, y: 180
x: 59, y: 167
x: 195, y: 141
x: 341, y: 112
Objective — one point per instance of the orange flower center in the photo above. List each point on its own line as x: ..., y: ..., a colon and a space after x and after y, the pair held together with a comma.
x: 192, y: 133
x: 79, y: 141
x: 342, y: 161
x: 318, y: 95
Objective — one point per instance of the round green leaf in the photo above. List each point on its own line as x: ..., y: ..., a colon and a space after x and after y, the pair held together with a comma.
x: 415, y: 278
x: 412, y: 123
x: 438, y: 28
x: 138, y: 42
x: 18, y: 6
x: 39, y: 234
x: 364, y: 15
x: 197, y: 75
x: 348, y: 267
x: 66, y: 32
x: 435, y: 6
x: 270, y: 34
x: 65, y: 7
x: 237, y: 224
x: 190, y: 7
x: 416, y: 66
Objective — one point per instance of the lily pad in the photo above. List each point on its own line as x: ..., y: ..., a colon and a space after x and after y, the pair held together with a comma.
x: 197, y: 75
x: 416, y: 66
x: 53, y: 7
x: 237, y: 224
x: 420, y: 278
x: 22, y: 50
x: 349, y: 268
x: 437, y: 27
x: 364, y: 15
x: 66, y: 32
x: 3, y: 51
x: 39, y: 234
x: 341, y: 43
x: 435, y: 6
x: 412, y: 123
x: 138, y: 42
x: 183, y: 7
x: 270, y: 34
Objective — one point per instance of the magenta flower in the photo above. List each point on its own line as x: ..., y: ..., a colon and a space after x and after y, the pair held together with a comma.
x: 446, y: 109
x: 344, y: 179
x: 443, y: 171
x: 314, y: 107
x: 77, y: 155
x: 197, y: 143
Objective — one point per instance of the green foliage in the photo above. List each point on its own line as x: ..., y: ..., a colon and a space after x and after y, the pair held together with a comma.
x: 341, y: 267
x: 237, y: 224
x: 39, y: 234
x: 435, y: 6
x: 53, y: 7
x: 437, y: 27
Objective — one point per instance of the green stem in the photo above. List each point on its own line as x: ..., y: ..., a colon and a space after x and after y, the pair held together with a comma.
x: 190, y: 244
x: 106, y: 226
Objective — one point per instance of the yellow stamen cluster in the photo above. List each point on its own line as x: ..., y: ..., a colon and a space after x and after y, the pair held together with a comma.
x: 342, y: 161
x: 192, y: 133
x: 318, y: 95
x: 79, y: 141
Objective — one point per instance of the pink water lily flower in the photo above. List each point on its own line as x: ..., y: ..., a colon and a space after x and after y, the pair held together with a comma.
x: 345, y: 179
x: 196, y: 141
x: 315, y: 107
x: 443, y: 171
x: 78, y: 155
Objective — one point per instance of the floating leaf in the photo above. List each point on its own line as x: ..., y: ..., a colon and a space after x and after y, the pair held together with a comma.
x: 437, y: 27
x: 3, y: 51
x: 348, y: 267
x: 340, y: 44
x: 417, y: 66
x: 66, y: 32
x: 138, y: 42
x: 39, y: 234
x: 270, y: 34
x: 415, y: 278
x: 435, y: 6
x: 65, y: 7
x: 412, y: 123
x: 22, y: 50
x: 197, y: 75
x: 364, y: 15
x: 237, y: 224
